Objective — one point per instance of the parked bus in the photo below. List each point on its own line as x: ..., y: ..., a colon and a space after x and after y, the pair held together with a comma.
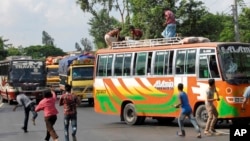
x: 52, y: 65
x: 77, y: 71
x: 22, y: 74
x: 138, y: 79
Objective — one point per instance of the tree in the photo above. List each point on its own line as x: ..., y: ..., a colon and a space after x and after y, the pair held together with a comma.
x: 244, y: 22
x: 3, y: 45
x: 47, y: 39
x: 99, y: 27
x: 12, y: 51
x: 147, y: 15
x: 77, y: 47
x: 86, y: 44
x: 41, y: 52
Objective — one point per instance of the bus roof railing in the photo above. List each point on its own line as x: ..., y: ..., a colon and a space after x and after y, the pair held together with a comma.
x: 158, y: 42
x: 147, y: 42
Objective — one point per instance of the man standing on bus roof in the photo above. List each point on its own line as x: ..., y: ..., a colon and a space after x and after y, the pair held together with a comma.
x: 210, y: 107
x: 186, y: 111
x: 246, y: 97
x: 29, y: 106
x: 112, y: 36
x: 170, y: 24
x: 135, y: 32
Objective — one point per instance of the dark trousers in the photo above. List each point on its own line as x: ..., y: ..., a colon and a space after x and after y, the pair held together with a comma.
x: 27, y: 110
x: 50, y: 121
x: 67, y: 120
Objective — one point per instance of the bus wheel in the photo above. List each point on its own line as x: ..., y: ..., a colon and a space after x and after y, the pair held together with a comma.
x: 130, y: 115
x: 201, y: 116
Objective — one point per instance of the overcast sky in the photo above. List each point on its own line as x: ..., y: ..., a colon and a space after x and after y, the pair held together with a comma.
x: 22, y: 21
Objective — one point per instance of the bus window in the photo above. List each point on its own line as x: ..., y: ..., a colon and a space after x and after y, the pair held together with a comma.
x: 190, y: 61
x: 140, y: 67
x: 203, y: 63
x: 104, y: 65
x: 213, y: 67
x: 118, y: 64
x: 127, y: 64
x: 149, y: 63
x: 180, y: 59
x: 160, y: 61
x: 169, y: 63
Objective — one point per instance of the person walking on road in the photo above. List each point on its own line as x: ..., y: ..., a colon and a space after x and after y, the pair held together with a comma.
x: 170, y: 24
x: 186, y: 111
x: 29, y: 106
x: 210, y: 107
x: 47, y: 104
x: 246, y: 97
x: 70, y: 103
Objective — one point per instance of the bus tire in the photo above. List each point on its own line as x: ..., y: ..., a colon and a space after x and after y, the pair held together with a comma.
x: 130, y: 115
x: 201, y: 115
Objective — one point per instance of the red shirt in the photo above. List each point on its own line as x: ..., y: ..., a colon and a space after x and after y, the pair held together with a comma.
x: 136, y: 33
x: 69, y: 102
x: 48, y: 106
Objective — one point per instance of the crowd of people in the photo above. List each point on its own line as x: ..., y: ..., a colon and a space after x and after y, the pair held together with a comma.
x: 69, y: 102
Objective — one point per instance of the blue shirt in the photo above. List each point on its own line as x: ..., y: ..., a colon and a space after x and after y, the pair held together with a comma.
x: 185, y: 107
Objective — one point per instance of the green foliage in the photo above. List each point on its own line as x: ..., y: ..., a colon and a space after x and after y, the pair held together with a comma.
x: 12, y: 51
x: 244, y: 22
x: 100, y: 24
x: 41, y: 52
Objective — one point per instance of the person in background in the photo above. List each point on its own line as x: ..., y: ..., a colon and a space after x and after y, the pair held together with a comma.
x: 112, y: 36
x: 29, y: 106
x: 135, y: 32
x: 70, y: 103
x: 246, y: 97
x: 47, y: 104
x: 186, y: 111
x: 169, y: 24
x: 210, y: 107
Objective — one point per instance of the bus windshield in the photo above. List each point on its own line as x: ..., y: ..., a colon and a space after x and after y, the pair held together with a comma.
x: 27, y: 71
x: 235, y: 62
x: 52, y: 72
x: 82, y: 73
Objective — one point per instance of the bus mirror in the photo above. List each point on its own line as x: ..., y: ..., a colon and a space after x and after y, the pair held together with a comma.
x: 68, y: 72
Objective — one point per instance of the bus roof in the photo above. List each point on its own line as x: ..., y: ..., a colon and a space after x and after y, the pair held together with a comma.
x: 159, y: 44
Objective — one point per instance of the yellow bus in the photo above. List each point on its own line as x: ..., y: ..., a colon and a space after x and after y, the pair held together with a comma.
x: 138, y: 79
x: 52, y: 65
x: 77, y: 71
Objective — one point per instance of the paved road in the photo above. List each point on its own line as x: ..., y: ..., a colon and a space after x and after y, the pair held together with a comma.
x: 95, y: 127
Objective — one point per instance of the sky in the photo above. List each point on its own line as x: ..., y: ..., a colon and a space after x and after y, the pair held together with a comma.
x: 22, y: 21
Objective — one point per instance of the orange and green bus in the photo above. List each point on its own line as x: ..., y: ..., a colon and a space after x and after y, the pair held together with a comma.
x: 138, y: 79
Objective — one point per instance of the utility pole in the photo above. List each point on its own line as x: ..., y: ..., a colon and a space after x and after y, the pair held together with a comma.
x: 236, y: 23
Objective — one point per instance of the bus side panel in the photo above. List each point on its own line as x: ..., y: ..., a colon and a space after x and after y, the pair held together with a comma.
x: 151, y: 96
x: 229, y: 105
